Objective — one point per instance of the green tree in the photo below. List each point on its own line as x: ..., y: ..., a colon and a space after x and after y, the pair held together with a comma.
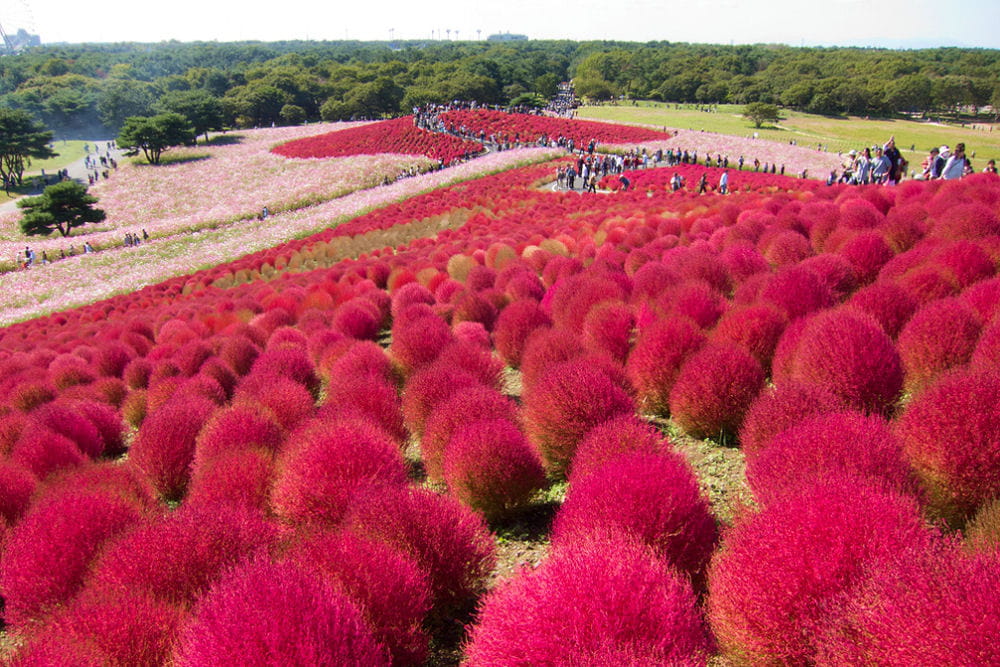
x: 760, y: 113
x: 292, y: 114
x: 122, y: 98
x: 61, y: 207
x: 155, y: 134
x: 21, y: 139
x: 200, y: 107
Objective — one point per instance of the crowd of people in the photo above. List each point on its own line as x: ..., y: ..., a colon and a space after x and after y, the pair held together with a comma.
x: 99, y: 165
x: 885, y: 165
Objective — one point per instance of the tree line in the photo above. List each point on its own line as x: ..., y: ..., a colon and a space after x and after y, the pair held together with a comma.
x: 78, y: 90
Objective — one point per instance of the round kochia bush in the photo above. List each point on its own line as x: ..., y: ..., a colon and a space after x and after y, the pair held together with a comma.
x: 656, y: 359
x: 276, y: 614
x: 514, y: 325
x: 714, y: 389
x: 652, y: 497
x: 772, y: 584
x: 847, y: 352
x: 613, y: 438
x: 780, y: 408
x: 569, y: 400
x: 951, y: 436
x: 607, y: 597
x: 939, y: 336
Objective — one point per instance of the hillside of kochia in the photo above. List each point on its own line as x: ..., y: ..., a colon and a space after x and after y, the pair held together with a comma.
x: 359, y: 422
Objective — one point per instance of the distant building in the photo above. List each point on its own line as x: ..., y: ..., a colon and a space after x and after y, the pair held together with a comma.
x: 506, y: 37
x: 19, y: 41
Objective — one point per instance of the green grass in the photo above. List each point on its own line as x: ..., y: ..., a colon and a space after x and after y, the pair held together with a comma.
x: 69, y: 152
x: 837, y: 134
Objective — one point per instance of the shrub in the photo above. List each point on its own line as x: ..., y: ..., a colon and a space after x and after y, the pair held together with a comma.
x: 274, y: 613
x: 137, y: 373
x: 574, y: 297
x: 448, y: 541
x: 796, y: 291
x: 475, y: 360
x: 237, y: 427
x: 287, y: 362
x: 982, y: 533
x: 44, y: 452
x: 653, y: 497
x: 391, y: 589
x: 569, y: 400
x: 108, y: 477
x: 177, y: 556
x: 781, y: 408
x: 409, y: 294
x: 475, y: 402
x: 824, y: 445
x: 833, y: 271
x: 714, y: 389
x: 967, y: 261
x: 61, y: 418
x: 135, y: 408
x: 363, y: 358
x: 12, y: 425
x: 546, y: 348
x: 848, y: 353
x: 490, y: 466
x: 608, y: 440
x: 428, y: 388
x: 366, y: 399
x: 939, y: 336
x: 867, y: 252
x: 660, y: 351
x: 984, y: 297
x: 609, y: 329
x: 240, y: 353
x: 16, y: 486
x: 888, y: 303
x: 986, y: 356
x: 240, y: 476
x: 164, y: 448
x: 108, y: 423
x: 289, y: 401
x: 47, y: 554
x: 322, y: 468
x: 951, y: 436
x: 754, y: 328
x: 779, y: 571
x: 606, y: 598
x: 418, y: 342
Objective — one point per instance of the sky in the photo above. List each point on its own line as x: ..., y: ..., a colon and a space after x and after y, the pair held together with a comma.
x: 882, y: 23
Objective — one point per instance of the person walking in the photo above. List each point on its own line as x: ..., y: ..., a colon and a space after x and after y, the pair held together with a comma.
x: 724, y: 183
x: 954, y: 168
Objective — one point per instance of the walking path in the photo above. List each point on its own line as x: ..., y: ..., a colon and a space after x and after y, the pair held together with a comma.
x: 77, y: 170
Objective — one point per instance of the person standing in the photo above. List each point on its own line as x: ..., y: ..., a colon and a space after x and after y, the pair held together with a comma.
x: 703, y: 183
x: 991, y: 167
x: 897, y: 164
x: 955, y: 166
x: 724, y: 183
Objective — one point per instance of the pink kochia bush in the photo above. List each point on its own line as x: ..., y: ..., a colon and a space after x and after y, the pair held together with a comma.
x: 47, y: 555
x: 714, y: 389
x: 569, y: 400
x: 847, y: 352
x: 608, y: 440
x: 773, y: 583
x: 275, y: 613
x: 659, y: 352
x: 831, y: 443
x: 652, y: 497
x: 939, y: 336
x: 448, y: 541
x: 322, y: 468
x: 780, y: 408
x: 514, y: 325
x: 490, y: 466
x: 607, y: 601
x: 951, y: 436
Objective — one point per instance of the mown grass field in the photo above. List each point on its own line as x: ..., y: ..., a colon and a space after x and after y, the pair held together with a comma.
x: 836, y: 134
x: 69, y: 151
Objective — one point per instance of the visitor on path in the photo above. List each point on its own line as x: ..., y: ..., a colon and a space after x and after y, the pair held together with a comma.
x: 954, y: 168
x: 991, y: 167
x: 880, y: 167
x: 625, y: 182
x: 676, y: 182
x: 703, y: 183
x: 897, y: 165
x: 935, y: 163
x: 724, y: 183
x: 87, y: 248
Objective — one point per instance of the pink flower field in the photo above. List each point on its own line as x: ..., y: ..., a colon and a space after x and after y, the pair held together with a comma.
x: 467, y: 419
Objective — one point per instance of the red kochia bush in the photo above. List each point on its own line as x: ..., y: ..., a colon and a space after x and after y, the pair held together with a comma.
x: 754, y: 328
x: 490, y: 466
x: 607, y: 599
x: 569, y: 400
x: 546, y: 348
x: 933, y: 606
x: 653, y: 497
x: 714, y: 389
x: 62, y: 418
x: 17, y: 484
x: 289, y: 401
x: 237, y: 427
x: 781, y: 408
x: 608, y: 440
x: 659, y: 352
x: 238, y: 476
x: 391, y: 588
x: 831, y: 443
x: 47, y: 554
x: 177, y: 556
x: 165, y: 445
x: 939, y: 336
x: 321, y: 469
x: 779, y: 571
x: 609, y: 329
x: 888, y: 303
x: 951, y: 436
x: 366, y: 399
x: 984, y: 297
x: 451, y: 543
x: 429, y: 387
x: 986, y: 356
x: 796, y: 291
x: 44, y: 452
x: 276, y: 614
x: 847, y: 352
x: 417, y: 342
x: 290, y: 363
x: 867, y: 252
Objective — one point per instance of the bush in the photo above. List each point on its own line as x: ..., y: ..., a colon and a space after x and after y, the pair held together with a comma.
x: 240, y: 476
x: 137, y: 373
x: 888, y: 303
x: 652, y: 497
x: 61, y: 418
x: 47, y: 555
x: 606, y: 598
x: 951, y: 436
x: 428, y: 388
x: 574, y: 297
x: 796, y: 291
x: 660, y: 351
x: 848, y: 353
x: 268, y: 613
x: 779, y: 571
x: 754, y: 328
x: 289, y: 401
x: 391, y: 589
x: 109, y: 477
x: 490, y: 466
x: 982, y: 533
x: 939, y: 336
x: 234, y: 428
x: 16, y: 486
x: 366, y: 399
x: 240, y: 353
x: 450, y: 543
x: 177, y: 556
x: 867, y: 252
x: 546, y: 348
x: 986, y: 356
x: 323, y: 468
x: 480, y: 362
x: 714, y: 389
x: 984, y: 297
x: 164, y: 448
x: 569, y: 400
x: 44, y: 452
x: 829, y: 444
x: 615, y: 437
x: 418, y: 342
x: 287, y: 362
x: 609, y: 329
x: 781, y: 408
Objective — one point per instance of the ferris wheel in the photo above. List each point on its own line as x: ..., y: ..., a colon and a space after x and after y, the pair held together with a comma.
x: 17, y: 26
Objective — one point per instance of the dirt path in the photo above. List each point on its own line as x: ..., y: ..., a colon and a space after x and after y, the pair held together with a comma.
x: 77, y: 170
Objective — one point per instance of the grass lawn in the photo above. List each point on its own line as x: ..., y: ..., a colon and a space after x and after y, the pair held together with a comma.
x: 69, y: 151
x: 837, y: 134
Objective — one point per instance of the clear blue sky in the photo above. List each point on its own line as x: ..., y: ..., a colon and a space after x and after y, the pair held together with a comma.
x: 889, y: 23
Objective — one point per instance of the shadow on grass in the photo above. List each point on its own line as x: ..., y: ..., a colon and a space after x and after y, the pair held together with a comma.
x: 167, y: 159
x: 223, y: 140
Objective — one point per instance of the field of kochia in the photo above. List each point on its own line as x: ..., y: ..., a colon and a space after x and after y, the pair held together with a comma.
x: 451, y: 430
